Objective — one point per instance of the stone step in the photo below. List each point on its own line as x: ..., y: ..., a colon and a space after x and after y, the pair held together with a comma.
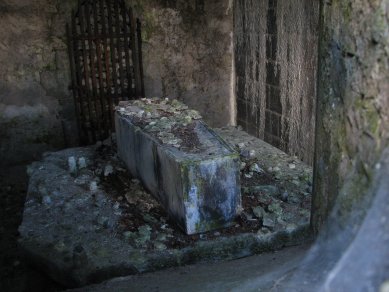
x: 198, y: 184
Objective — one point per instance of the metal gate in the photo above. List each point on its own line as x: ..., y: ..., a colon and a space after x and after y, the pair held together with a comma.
x: 104, y: 45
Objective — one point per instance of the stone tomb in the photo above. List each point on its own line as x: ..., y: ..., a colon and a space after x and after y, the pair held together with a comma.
x: 188, y: 168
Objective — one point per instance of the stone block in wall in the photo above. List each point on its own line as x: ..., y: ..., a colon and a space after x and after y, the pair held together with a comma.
x: 191, y: 171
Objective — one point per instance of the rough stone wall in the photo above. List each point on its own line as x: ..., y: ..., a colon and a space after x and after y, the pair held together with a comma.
x: 276, y: 63
x: 353, y: 106
x: 36, y: 108
x: 187, y: 54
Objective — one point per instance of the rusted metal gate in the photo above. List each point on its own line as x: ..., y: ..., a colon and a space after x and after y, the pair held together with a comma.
x: 104, y: 44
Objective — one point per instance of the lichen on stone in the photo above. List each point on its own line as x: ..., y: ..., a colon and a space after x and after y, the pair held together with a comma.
x: 170, y: 121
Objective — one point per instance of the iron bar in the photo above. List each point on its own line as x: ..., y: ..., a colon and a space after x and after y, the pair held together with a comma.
x: 118, y: 47
x: 135, y: 52
x: 112, y: 51
x: 93, y: 81
x: 107, y: 65
x: 73, y: 80
x: 127, y: 40
x: 100, y: 73
x: 80, y: 89
x: 86, y: 75
x: 139, y: 57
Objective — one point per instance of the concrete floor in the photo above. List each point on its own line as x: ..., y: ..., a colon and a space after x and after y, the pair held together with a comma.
x: 16, y: 274
x: 265, y: 272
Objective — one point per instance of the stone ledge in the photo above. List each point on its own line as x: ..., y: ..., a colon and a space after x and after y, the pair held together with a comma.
x: 72, y: 226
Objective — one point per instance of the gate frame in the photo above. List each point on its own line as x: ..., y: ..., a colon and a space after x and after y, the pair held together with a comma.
x: 97, y: 30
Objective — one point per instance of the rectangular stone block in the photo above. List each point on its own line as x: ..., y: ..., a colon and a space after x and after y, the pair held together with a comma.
x: 197, y: 183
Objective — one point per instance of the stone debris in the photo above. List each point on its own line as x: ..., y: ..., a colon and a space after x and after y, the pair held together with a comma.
x: 292, y: 177
x: 284, y: 196
x: 82, y: 163
x: 242, y: 165
x: 271, y: 190
x: 264, y: 231
x: 116, y: 205
x: 93, y: 186
x: 160, y: 117
x: 108, y: 170
x: 255, y: 168
x: 159, y: 246
x: 275, y: 208
x: 268, y: 221
x: 259, y: 212
x: 46, y: 200
x: 248, y: 175
x: 247, y: 153
x: 72, y: 165
x: 143, y: 236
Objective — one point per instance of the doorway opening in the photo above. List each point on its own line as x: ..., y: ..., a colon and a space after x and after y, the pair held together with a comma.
x: 104, y: 43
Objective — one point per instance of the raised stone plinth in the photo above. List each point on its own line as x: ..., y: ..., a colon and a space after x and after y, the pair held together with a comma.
x: 191, y: 171
x: 85, y: 220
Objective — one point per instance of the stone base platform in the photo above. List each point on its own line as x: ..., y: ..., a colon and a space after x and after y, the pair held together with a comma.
x: 86, y: 220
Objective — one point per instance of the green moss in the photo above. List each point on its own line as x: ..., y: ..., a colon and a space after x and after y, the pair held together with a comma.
x: 148, y: 19
x: 369, y: 114
x: 10, y: 123
x: 43, y: 138
x: 50, y: 67
x: 138, y: 259
x: 208, y: 225
x: 379, y: 25
x: 346, y: 11
x: 148, y: 26
x: 184, y: 180
x: 352, y: 196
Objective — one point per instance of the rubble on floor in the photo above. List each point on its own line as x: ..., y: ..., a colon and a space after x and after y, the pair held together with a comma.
x: 87, y: 220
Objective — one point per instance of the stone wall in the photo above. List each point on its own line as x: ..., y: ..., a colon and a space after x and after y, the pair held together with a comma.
x: 187, y: 54
x: 276, y: 63
x: 36, y: 107
x: 353, y: 107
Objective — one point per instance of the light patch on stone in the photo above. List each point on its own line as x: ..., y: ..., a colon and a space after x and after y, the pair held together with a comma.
x: 192, y: 209
x: 25, y: 111
x: 81, y: 163
x: 72, y: 164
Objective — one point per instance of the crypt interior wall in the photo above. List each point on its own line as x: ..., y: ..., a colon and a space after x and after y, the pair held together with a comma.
x: 187, y: 53
x: 36, y: 107
x: 276, y: 63
x: 352, y: 130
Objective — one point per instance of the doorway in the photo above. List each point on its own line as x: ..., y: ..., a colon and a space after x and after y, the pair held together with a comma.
x: 104, y: 42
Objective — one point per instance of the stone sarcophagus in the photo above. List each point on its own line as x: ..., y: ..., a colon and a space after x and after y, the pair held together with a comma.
x: 191, y: 171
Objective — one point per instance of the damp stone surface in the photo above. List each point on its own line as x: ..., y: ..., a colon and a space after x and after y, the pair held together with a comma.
x: 188, y: 168
x: 86, y: 219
